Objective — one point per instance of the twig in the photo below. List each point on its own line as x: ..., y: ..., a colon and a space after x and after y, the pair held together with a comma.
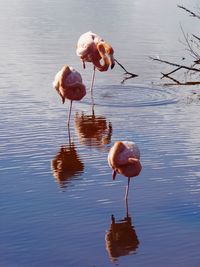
x: 193, y: 45
x: 189, y: 11
x: 131, y: 75
x: 175, y: 64
x: 189, y: 44
x: 167, y: 74
x: 198, y: 38
x: 191, y: 83
x: 169, y: 77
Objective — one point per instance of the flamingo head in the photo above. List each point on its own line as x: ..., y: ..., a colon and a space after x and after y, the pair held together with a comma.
x: 105, y: 52
x: 110, y: 53
x: 131, y: 169
x: 123, y: 161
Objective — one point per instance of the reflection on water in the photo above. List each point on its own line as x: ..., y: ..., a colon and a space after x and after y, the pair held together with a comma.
x: 121, y: 239
x: 163, y: 121
x: 66, y: 165
x: 93, y: 130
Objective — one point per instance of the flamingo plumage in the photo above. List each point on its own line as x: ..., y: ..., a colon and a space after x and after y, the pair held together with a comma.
x: 124, y: 159
x: 69, y: 85
x: 92, y: 48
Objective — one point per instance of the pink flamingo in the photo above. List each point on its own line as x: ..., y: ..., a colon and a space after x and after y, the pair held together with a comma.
x: 124, y: 158
x: 68, y: 83
x: 92, y: 48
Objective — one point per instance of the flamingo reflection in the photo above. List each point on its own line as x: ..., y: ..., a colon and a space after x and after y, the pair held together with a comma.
x: 66, y: 165
x: 121, y: 238
x: 93, y: 130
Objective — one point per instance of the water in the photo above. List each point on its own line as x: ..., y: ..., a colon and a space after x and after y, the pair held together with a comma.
x: 59, y: 205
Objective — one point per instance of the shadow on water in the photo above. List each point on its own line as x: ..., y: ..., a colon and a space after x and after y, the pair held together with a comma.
x: 121, y: 238
x: 66, y: 165
x: 93, y: 130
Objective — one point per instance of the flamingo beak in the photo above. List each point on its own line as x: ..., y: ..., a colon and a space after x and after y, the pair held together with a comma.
x: 114, y: 173
x: 112, y: 62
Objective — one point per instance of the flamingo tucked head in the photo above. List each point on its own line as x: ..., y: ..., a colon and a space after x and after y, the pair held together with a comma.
x: 92, y: 48
x: 106, y: 52
x: 124, y: 158
x: 68, y: 83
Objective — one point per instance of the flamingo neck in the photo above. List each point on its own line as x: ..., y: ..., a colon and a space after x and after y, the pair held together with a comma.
x: 110, y: 52
x: 103, y: 56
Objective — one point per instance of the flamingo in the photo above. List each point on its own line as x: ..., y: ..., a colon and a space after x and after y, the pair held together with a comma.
x: 124, y: 158
x: 92, y: 48
x: 68, y: 83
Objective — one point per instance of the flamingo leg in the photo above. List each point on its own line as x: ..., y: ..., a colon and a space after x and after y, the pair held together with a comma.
x: 70, y: 109
x: 69, y: 135
x: 127, y: 189
x: 92, y: 85
x: 127, y: 214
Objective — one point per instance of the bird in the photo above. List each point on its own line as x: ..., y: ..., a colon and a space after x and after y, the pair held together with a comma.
x: 68, y: 83
x: 92, y: 48
x: 124, y: 159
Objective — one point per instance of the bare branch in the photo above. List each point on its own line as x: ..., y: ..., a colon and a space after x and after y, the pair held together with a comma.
x: 131, y: 75
x: 171, y: 72
x: 175, y: 64
x: 192, y: 43
x: 189, y: 11
x: 189, y: 44
x: 190, y: 83
x: 169, y: 77
x: 198, y: 38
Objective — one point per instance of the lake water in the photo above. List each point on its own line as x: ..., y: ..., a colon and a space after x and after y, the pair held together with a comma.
x: 59, y: 205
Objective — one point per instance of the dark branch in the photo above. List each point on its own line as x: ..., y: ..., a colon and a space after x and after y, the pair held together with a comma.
x: 189, y: 45
x: 189, y: 11
x: 171, y: 78
x: 175, y: 64
x: 191, y: 83
x: 196, y: 37
x: 167, y: 74
x: 131, y: 75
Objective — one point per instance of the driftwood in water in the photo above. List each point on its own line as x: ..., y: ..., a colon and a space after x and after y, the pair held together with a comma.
x: 192, y: 43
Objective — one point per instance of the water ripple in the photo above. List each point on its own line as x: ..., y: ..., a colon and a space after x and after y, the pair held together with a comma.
x: 126, y: 96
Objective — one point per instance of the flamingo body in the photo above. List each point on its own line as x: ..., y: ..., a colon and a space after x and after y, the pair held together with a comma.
x: 124, y: 159
x: 121, y: 153
x: 86, y: 46
x: 92, y: 48
x: 68, y: 83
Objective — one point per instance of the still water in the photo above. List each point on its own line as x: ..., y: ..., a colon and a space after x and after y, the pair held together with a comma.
x: 59, y: 205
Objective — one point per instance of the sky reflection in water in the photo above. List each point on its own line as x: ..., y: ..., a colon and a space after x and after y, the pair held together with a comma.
x: 59, y: 205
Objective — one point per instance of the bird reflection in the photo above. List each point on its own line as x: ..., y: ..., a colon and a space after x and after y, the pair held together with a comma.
x: 121, y: 239
x: 93, y: 130
x: 66, y: 165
